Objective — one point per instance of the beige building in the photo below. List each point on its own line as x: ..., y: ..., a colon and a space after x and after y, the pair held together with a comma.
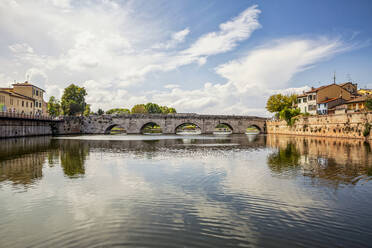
x: 23, y: 98
x: 309, y: 101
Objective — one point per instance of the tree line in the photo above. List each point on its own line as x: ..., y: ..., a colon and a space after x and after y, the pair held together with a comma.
x: 73, y: 103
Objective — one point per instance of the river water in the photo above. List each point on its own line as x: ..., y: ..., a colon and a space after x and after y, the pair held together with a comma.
x: 185, y: 191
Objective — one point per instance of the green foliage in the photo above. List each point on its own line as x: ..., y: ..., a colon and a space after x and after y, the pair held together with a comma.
x: 276, y: 103
x: 172, y: 111
x: 367, y: 129
x: 100, y: 112
x: 73, y: 100
x: 87, y: 111
x: 285, y: 159
x: 139, y: 109
x: 118, y: 111
x: 369, y: 104
x: 153, y: 108
x: 287, y: 114
x: 54, y: 107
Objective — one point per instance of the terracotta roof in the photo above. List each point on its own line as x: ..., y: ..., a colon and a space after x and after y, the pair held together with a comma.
x: 330, y: 100
x: 302, y: 95
x: 343, y: 84
x: 27, y: 84
x: 319, y: 88
x: 359, y: 99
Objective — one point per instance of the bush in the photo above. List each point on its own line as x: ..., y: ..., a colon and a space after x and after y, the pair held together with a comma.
x: 288, y: 115
x: 367, y: 129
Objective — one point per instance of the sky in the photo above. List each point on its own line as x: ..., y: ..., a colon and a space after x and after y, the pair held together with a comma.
x: 199, y: 56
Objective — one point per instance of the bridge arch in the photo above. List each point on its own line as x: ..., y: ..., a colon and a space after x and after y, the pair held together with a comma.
x: 224, y: 125
x: 112, y: 127
x: 196, y: 128
x: 251, y: 127
x: 151, y: 127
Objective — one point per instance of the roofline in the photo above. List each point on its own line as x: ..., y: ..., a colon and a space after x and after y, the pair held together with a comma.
x: 20, y: 85
x: 13, y: 94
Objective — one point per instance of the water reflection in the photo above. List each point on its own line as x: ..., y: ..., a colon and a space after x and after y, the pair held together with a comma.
x: 338, y: 161
x: 73, y: 154
x: 199, y: 191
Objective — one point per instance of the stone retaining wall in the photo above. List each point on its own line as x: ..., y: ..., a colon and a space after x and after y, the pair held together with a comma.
x: 20, y: 128
x: 349, y: 125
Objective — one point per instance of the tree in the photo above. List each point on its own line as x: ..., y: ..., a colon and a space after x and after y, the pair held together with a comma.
x: 278, y: 102
x: 100, y: 112
x: 172, y: 110
x: 54, y: 107
x: 118, y: 111
x: 87, y: 111
x: 369, y: 103
x: 164, y: 110
x: 73, y: 100
x: 287, y: 114
x: 139, y: 109
x: 153, y: 108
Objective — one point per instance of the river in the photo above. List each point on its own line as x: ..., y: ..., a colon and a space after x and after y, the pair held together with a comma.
x: 185, y: 191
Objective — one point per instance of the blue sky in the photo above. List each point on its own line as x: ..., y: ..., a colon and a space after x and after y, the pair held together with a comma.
x: 201, y: 56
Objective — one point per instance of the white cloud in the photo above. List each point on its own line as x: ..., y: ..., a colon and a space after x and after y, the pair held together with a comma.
x: 227, y: 38
x: 176, y: 39
x: 273, y: 65
x: 105, y: 47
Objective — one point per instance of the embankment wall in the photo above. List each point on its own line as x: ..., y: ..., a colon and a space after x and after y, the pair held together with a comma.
x: 350, y: 125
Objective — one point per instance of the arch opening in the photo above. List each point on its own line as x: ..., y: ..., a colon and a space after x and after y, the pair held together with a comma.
x: 188, y: 128
x: 151, y: 128
x: 115, y: 130
x: 252, y: 130
x: 223, y: 129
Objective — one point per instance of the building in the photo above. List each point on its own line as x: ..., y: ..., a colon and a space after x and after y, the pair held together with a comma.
x: 365, y: 92
x: 349, y: 86
x: 308, y: 102
x: 357, y: 104
x: 328, y: 106
x: 23, y: 98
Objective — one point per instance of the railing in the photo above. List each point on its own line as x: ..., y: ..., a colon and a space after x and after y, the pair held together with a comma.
x: 25, y: 116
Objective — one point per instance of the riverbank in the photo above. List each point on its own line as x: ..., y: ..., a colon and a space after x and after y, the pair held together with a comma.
x: 351, y: 125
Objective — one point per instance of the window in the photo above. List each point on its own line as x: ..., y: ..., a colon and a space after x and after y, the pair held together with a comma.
x: 23, y: 103
x: 299, y: 100
x: 31, y: 105
x: 36, y: 104
x: 39, y: 104
x: 26, y: 104
x: 2, y: 99
x: 305, y: 99
x: 37, y: 92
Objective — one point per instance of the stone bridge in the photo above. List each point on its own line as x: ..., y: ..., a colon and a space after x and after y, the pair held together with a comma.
x: 134, y: 123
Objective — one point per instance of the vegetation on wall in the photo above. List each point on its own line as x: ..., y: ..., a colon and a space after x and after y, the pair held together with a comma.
x: 369, y: 104
x: 367, y: 129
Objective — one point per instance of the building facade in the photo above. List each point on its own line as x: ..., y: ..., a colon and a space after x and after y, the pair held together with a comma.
x: 310, y: 101
x: 23, y: 98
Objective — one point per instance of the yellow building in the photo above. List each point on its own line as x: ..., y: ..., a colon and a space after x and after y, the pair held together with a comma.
x: 365, y: 92
x: 23, y: 98
x: 357, y: 104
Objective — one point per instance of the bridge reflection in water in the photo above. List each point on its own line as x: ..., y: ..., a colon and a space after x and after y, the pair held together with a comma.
x: 182, y: 190
x: 337, y: 160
